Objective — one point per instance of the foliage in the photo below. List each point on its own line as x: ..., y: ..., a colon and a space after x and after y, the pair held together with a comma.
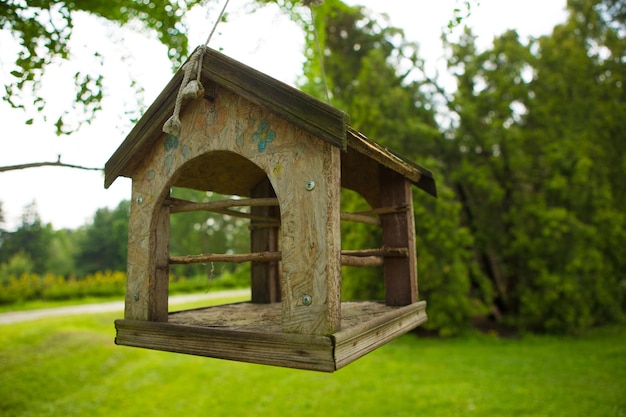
x: 536, y: 160
x: 103, y: 245
x: 30, y: 241
x: 529, y: 226
x: 529, y: 220
x: 28, y: 287
x: 70, y: 367
x: 370, y: 72
x: 17, y: 289
x: 43, y: 30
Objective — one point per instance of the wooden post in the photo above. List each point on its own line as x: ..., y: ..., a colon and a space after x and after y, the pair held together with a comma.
x: 398, y: 231
x: 148, y: 256
x: 310, y: 241
x: 159, y: 279
x: 265, y: 278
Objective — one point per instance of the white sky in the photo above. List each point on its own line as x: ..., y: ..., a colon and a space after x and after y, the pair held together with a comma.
x: 68, y: 198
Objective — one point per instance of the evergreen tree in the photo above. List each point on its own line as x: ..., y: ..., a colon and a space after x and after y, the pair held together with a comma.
x: 103, y: 244
x: 534, y: 160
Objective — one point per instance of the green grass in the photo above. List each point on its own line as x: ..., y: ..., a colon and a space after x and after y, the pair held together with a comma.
x: 70, y: 367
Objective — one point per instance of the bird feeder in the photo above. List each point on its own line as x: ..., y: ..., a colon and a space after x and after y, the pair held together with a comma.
x: 287, y: 156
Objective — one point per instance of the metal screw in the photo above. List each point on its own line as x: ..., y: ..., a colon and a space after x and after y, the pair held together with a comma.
x: 136, y: 296
x: 139, y: 200
x: 310, y: 184
x: 307, y: 300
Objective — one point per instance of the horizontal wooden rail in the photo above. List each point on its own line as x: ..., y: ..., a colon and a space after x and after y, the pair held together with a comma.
x: 388, y: 252
x: 235, y: 258
x: 178, y: 206
x: 367, y: 216
x: 364, y: 257
x: 366, y: 261
x: 384, y: 210
x: 360, y: 218
x: 245, y: 215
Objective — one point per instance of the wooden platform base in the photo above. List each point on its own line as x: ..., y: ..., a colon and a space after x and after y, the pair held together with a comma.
x: 252, y: 333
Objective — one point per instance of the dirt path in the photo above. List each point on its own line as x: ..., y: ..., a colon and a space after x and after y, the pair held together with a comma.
x: 19, y: 316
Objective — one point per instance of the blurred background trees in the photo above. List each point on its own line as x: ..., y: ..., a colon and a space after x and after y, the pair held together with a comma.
x: 527, y: 148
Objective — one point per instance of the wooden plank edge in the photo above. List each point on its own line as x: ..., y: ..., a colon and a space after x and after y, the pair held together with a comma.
x: 418, y: 175
x: 289, y: 102
x: 296, y: 351
x: 357, y: 341
x: 141, y: 137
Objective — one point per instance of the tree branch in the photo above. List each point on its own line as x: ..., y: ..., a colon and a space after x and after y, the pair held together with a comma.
x: 58, y: 163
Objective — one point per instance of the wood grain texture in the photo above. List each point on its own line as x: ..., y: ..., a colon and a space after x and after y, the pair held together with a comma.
x: 159, y: 285
x: 372, y: 151
x: 289, y: 158
x: 278, y: 349
x: 398, y: 231
x: 355, y: 341
x: 313, y: 116
x: 308, y: 113
x: 253, y: 333
x: 253, y: 136
x: 265, y: 277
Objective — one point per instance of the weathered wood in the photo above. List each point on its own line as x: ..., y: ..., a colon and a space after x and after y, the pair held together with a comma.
x: 360, y: 218
x: 371, y: 257
x: 265, y: 278
x: 279, y: 349
x: 306, y: 112
x: 313, y: 116
x: 398, y: 231
x: 387, y: 158
x: 253, y: 333
x: 159, y: 285
x: 252, y: 136
x: 365, y: 257
x: 234, y: 258
x: 353, y: 342
x: 311, y: 244
x: 244, y: 215
x: 392, y: 252
x: 178, y: 205
x: 367, y: 261
x: 219, y: 171
x: 146, y: 132
x: 383, y: 210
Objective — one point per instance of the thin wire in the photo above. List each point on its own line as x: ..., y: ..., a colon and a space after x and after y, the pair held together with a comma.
x: 216, y: 23
x: 319, y: 53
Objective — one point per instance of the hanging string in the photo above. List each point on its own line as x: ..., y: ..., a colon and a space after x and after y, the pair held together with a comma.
x: 310, y: 4
x: 219, y: 18
x: 189, y: 88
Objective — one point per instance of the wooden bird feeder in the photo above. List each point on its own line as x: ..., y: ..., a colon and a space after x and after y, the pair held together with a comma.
x: 287, y: 155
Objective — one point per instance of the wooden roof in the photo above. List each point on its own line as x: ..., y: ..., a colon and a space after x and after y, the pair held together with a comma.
x: 293, y: 105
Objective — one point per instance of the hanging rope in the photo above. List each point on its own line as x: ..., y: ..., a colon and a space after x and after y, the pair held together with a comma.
x: 189, y: 89
x: 216, y: 22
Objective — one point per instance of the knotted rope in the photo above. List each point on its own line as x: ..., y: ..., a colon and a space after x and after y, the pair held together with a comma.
x: 190, y: 88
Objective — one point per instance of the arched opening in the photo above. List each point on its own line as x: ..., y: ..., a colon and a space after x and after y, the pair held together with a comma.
x: 224, y: 227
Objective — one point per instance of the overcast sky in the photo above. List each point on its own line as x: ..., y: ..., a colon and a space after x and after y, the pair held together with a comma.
x: 68, y: 198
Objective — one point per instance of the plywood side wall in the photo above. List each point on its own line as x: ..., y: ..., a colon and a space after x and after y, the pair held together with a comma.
x: 291, y: 158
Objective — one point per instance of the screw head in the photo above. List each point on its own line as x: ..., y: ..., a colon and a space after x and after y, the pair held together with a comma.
x: 139, y: 200
x: 136, y: 296
x: 307, y: 300
x: 310, y: 184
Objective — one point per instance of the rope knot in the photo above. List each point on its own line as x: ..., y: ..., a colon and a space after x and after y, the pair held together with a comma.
x: 189, y: 89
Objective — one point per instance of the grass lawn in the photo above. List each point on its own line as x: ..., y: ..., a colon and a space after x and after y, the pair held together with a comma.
x: 71, y: 367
